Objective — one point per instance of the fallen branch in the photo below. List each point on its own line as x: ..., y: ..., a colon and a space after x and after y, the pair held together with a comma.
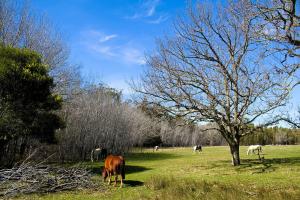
x: 27, y: 179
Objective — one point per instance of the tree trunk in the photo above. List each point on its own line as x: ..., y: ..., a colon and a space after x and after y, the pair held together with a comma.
x: 3, y: 146
x: 235, y: 153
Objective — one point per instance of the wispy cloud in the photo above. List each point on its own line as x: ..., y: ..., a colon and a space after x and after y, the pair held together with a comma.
x: 119, y: 51
x: 102, y: 37
x: 150, y: 7
x: 132, y: 55
x: 103, y: 50
x: 108, y: 37
x: 147, y: 11
x: 159, y: 20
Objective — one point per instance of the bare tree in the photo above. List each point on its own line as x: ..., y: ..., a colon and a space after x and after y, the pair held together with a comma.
x: 280, y: 23
x: 215, y: 70
x: 96, y: 116
x: 21, y: 27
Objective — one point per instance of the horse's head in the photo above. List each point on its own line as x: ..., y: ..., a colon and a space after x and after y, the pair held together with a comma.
x: 104, y: 174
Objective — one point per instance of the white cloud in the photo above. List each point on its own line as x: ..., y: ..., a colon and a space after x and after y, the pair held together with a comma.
x: 104, y: 50
x: 102, y: 37
x: 108, y: 37
x: 160, y: 19
x: 123, y: 53
x: 147, y: 10
x: 126, y: 53
x: 132, y: 55
x: 150, y: 7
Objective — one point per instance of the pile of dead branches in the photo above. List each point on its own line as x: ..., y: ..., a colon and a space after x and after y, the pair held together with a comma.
x: 28, y: 178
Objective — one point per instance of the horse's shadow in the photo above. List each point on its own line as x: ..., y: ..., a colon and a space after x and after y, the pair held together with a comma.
x: 133, y: 183
x: 128, y: 170
x: 266, y: 165
x: 150, y: 156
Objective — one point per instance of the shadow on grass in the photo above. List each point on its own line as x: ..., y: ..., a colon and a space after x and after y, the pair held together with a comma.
x: 149, y: 156
x: 266, y: 165
x: 133, y: 183
x: 258, y: 166
x: 129, y: 169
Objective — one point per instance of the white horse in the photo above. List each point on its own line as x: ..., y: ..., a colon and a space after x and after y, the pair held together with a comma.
x: 253, y: 148
x: 197, y: 148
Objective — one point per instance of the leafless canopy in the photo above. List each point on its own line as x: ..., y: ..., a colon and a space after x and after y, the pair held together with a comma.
x: 280, y: 23
x: 215, y: 70
x: 19, y: 27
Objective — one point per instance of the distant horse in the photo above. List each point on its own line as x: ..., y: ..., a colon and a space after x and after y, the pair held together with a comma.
x: 114, y: 165
x: 253, y: 148
x: 197, y: 148
x: 155, y: 148
x: 98, y: 153
x: 103, y: 153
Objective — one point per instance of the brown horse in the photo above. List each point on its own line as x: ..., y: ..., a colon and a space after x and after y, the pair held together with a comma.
x: 114, y: 165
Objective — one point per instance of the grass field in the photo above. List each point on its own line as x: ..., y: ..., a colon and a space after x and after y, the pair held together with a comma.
x: 178, y: 173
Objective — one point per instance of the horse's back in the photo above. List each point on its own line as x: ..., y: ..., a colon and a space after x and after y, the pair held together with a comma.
x: 108, y: 161
x: 254, y: 146
x: 111, y: 162
x: 197, y: 147
x: 115, y: 164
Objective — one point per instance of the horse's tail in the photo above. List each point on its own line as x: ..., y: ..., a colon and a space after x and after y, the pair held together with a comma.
x: 123, y: 169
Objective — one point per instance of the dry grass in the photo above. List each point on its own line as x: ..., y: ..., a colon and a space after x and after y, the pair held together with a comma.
x: 170, y: 188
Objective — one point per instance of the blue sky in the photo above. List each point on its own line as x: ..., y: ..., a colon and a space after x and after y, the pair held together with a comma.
x: 109, y: 38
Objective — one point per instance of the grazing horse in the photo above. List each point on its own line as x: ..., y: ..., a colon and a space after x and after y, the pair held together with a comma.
x: 253, y: 148
x: 98, y: 152
x: 114, y: 165
x: 155, y: 148
x: 197, y: 148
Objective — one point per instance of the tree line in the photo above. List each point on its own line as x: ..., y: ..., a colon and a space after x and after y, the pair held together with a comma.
x: 220, y: 74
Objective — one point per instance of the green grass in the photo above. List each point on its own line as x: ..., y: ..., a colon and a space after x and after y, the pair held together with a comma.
x: 178, y: 173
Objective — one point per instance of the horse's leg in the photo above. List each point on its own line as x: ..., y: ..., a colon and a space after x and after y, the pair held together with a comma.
x: 116, y: 179
x: 121, y: 181
x: 109, y: 178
